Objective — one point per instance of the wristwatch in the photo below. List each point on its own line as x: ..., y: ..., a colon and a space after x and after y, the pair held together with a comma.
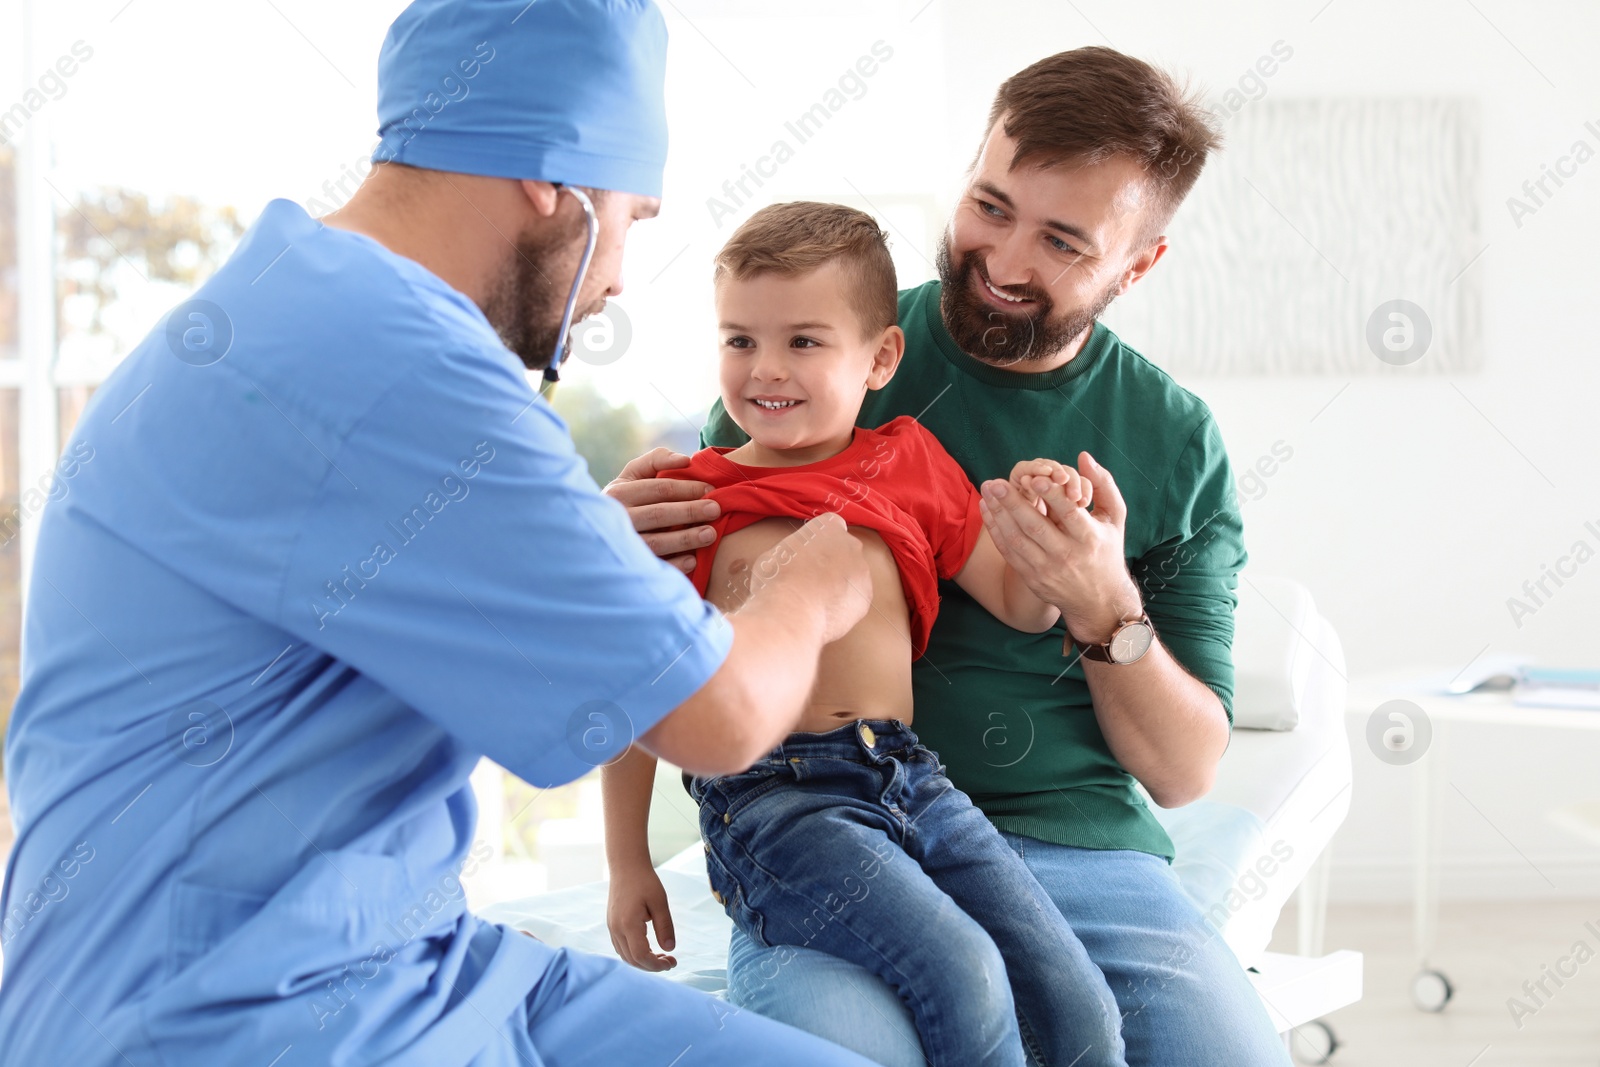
x: 1129, y: 641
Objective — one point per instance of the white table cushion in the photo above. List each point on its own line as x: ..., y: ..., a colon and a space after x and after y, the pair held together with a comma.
x: 1272, y: 660
x: 576, y: 918
x: 1279, y: 798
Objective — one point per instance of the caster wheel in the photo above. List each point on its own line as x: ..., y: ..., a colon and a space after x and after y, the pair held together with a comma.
x: 1313, y: 1043
x: 1431, y: 991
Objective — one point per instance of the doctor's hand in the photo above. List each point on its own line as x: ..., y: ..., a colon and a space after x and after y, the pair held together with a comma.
x: 823, y: 564
x: 665, y: 510
x: 637, y: 897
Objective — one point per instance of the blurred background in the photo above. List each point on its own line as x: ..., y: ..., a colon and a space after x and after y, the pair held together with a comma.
x: 1420, y: 466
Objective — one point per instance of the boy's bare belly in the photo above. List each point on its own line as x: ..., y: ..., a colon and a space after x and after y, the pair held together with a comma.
x: 866, y: 674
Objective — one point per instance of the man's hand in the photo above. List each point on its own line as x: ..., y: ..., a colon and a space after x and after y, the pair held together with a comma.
x: 1163, y: 725
x: 1068, y: 556
x: 664, y: 510
x: 637, y: 897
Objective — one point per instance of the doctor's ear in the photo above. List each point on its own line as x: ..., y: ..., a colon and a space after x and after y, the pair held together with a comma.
x: 544, y: 196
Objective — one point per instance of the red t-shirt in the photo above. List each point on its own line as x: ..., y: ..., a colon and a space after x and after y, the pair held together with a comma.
x: 896, y: 480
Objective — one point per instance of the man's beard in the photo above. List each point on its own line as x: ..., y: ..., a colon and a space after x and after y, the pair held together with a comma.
x: 998, y: 337
x: 525, y: 304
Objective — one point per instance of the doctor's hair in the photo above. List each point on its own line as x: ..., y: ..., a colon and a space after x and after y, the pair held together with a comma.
x: 1092, y: 104
x: 796, y: 238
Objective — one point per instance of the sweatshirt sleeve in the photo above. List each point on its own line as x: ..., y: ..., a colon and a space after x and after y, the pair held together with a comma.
x: 1190, y: 577
x: 720, y: 430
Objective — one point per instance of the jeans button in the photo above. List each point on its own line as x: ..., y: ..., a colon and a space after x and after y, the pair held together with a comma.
x: 868, y: 736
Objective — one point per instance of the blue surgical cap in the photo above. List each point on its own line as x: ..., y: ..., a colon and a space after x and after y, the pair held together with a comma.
x: 554, y: 90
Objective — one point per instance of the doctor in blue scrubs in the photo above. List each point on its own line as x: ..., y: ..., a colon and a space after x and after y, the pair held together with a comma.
x: 322, y: 549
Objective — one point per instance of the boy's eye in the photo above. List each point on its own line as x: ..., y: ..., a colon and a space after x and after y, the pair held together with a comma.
x: 738, y: 342
x: 804, y: 342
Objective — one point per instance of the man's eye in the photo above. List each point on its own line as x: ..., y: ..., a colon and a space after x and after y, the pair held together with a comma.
x: 990, y: 210
x: 1059, y: 245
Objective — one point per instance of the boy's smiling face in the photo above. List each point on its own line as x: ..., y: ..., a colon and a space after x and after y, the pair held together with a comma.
x: 796, y: 362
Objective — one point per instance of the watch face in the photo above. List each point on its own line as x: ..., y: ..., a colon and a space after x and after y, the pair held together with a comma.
x: 1131, y: 642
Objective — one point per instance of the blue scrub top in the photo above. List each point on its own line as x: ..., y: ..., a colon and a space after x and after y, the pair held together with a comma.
x: 320, y: 549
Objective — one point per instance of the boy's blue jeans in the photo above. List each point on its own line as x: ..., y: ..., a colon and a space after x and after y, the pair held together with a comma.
x: 1184, y: 997
x: 854, y: 843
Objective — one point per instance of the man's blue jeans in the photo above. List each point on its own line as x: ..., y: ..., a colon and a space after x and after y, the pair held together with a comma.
x: 1184, y: 998
x: 854, y: 843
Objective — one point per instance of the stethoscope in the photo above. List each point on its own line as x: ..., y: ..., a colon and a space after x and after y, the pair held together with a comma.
x: 552, y: 374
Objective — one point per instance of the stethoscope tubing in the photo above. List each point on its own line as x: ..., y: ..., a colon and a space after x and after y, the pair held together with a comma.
x: 552, y: 372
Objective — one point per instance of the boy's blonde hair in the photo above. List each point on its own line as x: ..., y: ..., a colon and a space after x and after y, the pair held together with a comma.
x: 798, y: 237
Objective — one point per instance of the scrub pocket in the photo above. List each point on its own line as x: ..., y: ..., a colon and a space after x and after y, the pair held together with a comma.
x: 204, y: 916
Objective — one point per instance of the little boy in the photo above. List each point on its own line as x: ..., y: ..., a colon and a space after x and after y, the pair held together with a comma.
x: 848, y: 838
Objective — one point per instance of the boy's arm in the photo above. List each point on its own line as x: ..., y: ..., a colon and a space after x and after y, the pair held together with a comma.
x: 987, y: 577
x: 636, y: 895
x: 991, y: 582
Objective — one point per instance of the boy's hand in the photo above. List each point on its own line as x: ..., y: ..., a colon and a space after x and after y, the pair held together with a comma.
x: 637, y: 897
x: 1033, y: 478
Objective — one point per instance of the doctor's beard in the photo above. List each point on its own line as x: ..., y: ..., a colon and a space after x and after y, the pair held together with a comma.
x: 528, y: 297
x: 997, y: 337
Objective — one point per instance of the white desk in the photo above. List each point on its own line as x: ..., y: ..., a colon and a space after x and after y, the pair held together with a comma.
x: 1431, y: 989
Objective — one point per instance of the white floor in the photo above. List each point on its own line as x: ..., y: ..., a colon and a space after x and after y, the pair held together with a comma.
x: 1487, y: 950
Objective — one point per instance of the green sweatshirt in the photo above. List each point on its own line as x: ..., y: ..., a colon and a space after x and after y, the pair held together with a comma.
x: 1014, y: 731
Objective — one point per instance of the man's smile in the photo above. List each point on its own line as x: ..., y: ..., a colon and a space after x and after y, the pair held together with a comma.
x: 992, y: 295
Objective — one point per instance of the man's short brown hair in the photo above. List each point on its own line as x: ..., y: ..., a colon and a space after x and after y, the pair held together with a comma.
x: 798, y: 237
x: 1091, y: 104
